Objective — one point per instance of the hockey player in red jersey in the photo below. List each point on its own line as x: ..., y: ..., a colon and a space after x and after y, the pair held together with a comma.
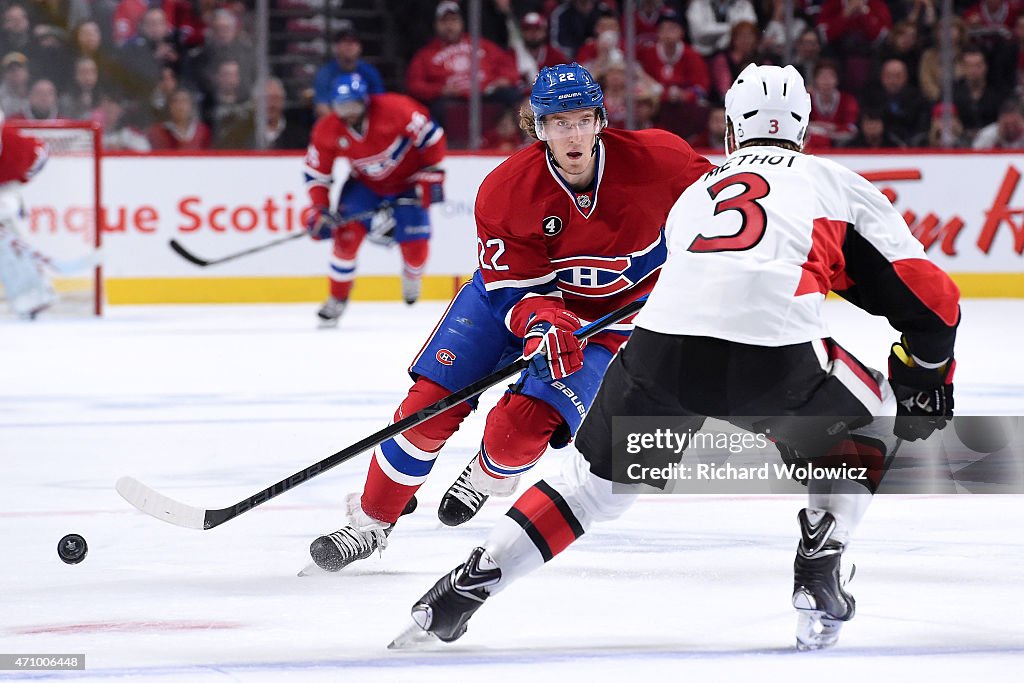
x: 26, y: 287
x: 561, y: 240
x: 734, y: 328
x: 394, y: 148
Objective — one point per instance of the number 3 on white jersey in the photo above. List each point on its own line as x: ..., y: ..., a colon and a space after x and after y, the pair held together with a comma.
x: 753, y: 214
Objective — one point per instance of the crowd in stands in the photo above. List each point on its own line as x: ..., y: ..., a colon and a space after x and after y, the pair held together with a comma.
x: 180, y: 74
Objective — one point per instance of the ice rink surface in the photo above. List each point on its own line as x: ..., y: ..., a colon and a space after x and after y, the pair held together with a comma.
x: 211, y: 404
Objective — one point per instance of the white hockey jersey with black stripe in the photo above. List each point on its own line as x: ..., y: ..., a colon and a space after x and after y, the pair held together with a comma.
x: 757, y: 242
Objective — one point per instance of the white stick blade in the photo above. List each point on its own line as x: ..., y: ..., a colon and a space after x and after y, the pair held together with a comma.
x: 160, y: 506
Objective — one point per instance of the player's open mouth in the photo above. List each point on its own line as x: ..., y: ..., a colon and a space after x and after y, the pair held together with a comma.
x: 574, y: 155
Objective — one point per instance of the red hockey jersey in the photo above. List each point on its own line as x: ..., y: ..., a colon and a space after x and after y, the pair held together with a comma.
x: 540, y: 244
x: 399, y: 139
x: 21, y: 156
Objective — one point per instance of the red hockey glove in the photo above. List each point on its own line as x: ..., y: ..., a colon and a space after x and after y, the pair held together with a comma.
x: 429, y: 184
x: 321, y: 223
x: 924, y: 396
x: 550, y: 345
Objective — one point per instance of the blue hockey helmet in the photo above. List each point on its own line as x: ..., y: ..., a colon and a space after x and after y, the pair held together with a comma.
x: 350, y: 87
x: 565, y: 87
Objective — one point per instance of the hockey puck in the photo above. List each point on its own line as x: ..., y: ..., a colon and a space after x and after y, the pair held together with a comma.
x: 72, y: 549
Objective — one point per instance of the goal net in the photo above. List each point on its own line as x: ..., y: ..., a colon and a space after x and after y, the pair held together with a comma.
x: 62, y: 213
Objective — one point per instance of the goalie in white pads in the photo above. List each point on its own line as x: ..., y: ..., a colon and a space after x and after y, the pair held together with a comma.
x: 26, y: 287
x: 734, y: 328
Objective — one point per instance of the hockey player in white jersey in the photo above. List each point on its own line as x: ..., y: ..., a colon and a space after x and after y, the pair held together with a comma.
x: 734, y: 328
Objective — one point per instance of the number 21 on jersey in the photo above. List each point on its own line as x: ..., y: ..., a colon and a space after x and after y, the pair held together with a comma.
x: 753, y: 216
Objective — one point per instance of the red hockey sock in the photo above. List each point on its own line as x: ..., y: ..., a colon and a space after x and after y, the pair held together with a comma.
x: 401, y: 465
x: 347, y: 239
x: 414, y: 256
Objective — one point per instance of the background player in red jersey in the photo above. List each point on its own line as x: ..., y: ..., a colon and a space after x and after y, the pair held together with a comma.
x: 394, y: 148
x: 26, y: 286
x: 734, y: 329
x: 561, y: 240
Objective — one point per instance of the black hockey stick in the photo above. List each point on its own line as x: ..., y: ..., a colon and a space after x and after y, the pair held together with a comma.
x: 169, y: 510
x: 202, y: 263
x: 184, y: 253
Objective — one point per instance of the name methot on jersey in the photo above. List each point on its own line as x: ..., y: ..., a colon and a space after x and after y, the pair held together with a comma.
x: 751, y: 159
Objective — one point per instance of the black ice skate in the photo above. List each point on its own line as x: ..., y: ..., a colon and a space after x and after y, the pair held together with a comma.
x: 355, y: 541
x: 461, y: 501
x: 336, y: 551
x: 442, y: 614
x: 818, y: 591
x: 331, y: 311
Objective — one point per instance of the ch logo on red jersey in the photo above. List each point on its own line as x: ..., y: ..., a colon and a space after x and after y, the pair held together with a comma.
x: 599, y: 276
x: 445, y: 357
x: 382, y: 164
x: 593, y: 275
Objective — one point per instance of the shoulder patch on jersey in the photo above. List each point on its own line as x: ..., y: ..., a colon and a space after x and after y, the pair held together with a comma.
x: 343, y: 142
x: 552, y: 225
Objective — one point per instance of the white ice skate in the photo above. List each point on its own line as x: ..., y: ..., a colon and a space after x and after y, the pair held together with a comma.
x: 330, y: 312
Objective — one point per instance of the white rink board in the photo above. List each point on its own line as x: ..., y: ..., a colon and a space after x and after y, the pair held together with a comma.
x: 221, y: 204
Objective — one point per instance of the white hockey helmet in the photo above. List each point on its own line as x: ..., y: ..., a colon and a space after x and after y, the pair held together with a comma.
x: 769, y: 103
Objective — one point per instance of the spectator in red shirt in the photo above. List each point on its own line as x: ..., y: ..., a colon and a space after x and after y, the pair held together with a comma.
x: 681, y: 71
x: 854, y: 22
x: 182, y: 130
x: 126, y: 20
x: 834, y: 113
x: 993, y: 16
x: 532, y: 50
x: 647, y: 14
x: 186, y: 16
x: 439, y: 73
x: 596, y: 50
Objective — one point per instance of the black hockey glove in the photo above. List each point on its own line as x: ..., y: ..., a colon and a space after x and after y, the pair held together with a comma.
x: 924, y: 396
